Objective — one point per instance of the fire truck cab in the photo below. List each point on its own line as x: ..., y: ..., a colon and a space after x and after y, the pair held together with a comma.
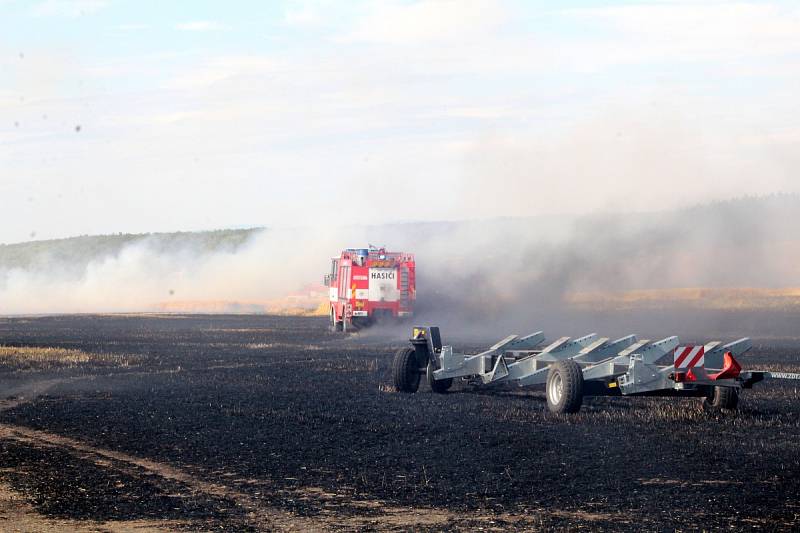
x: 370, y: 284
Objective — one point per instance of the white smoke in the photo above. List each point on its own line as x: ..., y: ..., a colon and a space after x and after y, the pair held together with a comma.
x: 142, y: 275
x: 479, y: 269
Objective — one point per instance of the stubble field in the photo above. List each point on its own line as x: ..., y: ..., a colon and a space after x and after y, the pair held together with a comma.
x: 258, y: 422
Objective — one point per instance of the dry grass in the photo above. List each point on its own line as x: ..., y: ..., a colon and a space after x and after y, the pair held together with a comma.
x: 312, y: 303
x: 745, y: 298
x: 36, y: 357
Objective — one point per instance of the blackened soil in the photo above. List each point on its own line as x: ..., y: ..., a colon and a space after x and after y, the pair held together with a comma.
x: 62, y: 485
x: 289, y: 414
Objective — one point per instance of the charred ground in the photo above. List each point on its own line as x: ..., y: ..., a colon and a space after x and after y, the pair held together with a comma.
x: 240, y: 422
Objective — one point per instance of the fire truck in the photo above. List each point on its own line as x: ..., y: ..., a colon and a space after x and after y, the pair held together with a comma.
x: 369, y: 284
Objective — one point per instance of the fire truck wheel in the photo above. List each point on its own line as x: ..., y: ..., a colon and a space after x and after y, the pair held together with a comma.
x: 405, y: 370
x: 564, y: 387
x: 335, y: 326
x: 722, y: 398
x: 437, y: 385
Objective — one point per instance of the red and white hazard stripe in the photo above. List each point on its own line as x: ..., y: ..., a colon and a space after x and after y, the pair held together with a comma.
x: 689, y: 356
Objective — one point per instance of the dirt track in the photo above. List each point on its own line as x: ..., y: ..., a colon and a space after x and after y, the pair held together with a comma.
x: 255, y: 422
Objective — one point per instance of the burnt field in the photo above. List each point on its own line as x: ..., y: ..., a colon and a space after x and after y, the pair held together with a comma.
x: 259, y: 422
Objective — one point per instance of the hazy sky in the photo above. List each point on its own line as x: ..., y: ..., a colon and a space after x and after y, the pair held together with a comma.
x: 132, y: 115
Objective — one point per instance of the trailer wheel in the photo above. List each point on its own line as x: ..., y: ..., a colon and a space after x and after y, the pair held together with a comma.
x: 722, y: 398
x: 564, y: 387
x: 437, y: 385
x: 405, y: 370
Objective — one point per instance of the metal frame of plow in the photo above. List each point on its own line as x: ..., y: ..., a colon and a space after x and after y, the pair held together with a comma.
x: 586, y: 366
x: 627, y: 366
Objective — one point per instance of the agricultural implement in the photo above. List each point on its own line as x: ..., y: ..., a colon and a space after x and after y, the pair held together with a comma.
x: 570, y: 369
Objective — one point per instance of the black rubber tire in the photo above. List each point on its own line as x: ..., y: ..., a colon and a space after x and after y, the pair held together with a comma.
x: 335, y: 326
x: 439, y: 386
x: 570, y: 376
x: 722, y: 398
x: 405, y: 370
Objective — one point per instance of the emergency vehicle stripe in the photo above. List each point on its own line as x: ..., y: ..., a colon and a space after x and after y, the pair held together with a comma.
x: 680, y: 354
x: 689, y: 356
x: 699, y: 359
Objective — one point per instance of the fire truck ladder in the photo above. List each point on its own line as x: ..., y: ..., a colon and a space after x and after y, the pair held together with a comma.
x: 570, y: 369
x: 404, y: 291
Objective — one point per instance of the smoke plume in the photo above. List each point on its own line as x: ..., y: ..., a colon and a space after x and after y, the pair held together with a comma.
x: 496, y: 273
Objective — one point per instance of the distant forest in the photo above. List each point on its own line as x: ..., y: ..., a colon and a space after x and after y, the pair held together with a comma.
x: 80, y: 250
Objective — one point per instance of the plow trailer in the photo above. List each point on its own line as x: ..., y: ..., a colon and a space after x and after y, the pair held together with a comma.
x: 571, y: 369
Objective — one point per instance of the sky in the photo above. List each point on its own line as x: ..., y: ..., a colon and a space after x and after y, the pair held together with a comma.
x: 142, y: 116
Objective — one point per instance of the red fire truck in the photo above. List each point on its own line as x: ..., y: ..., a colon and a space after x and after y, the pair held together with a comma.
x: 369, y: 284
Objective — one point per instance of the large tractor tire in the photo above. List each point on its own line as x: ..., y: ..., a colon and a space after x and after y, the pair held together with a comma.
x: 564, y: 387
x: 722, y: 398
x: 405, y: 370
x: 439, y: 386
